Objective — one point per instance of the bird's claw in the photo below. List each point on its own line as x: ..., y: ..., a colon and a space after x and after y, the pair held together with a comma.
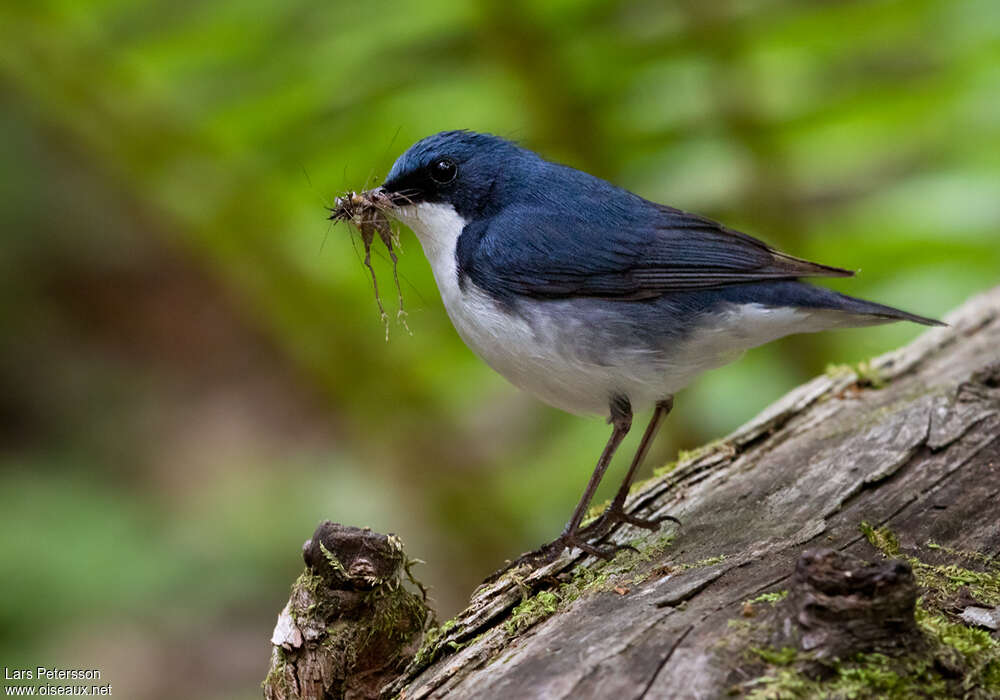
x: 606, y: 552
x: 585, y: 539
x: 548, y: 553
x: 616, y: 515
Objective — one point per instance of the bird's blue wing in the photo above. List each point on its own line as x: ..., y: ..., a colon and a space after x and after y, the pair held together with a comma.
x: 528, y: 252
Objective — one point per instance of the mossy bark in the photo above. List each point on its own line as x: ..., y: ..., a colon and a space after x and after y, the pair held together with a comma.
x: 350, y: 625
x: 896, y: 463
x: 696, y: 612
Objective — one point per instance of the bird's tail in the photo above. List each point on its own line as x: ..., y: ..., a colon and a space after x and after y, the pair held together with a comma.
x: 878, y: 313
x: 856, y: 312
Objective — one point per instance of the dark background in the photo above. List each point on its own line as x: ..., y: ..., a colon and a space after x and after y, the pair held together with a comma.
x: 192, y: 368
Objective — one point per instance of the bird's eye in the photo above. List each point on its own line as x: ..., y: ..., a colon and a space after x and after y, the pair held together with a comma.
x: 444, y: 170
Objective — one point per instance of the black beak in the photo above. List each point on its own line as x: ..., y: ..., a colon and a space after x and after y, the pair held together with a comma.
x: 396, y: 197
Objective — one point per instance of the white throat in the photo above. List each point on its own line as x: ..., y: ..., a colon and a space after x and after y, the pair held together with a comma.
x: 438, y: 227
x: 505, y: 341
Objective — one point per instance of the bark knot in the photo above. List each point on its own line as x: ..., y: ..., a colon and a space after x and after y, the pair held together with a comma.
x: 839, y: 606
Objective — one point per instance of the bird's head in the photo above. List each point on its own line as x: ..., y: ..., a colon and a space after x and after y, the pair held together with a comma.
x: 469, y: 171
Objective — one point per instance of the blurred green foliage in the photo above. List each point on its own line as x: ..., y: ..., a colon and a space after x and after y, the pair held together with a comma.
x: 192, y: 369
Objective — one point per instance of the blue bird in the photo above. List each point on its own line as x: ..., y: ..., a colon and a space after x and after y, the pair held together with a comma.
x: 596, y: 300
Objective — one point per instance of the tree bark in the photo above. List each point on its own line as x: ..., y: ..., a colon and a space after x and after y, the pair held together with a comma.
x: 350, y: 625
x: 895, y: 462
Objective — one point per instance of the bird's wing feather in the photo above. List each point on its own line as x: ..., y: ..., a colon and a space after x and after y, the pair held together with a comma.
x: 528, y: 252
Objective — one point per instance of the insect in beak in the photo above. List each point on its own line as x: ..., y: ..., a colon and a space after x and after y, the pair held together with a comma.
x: 366, y: 211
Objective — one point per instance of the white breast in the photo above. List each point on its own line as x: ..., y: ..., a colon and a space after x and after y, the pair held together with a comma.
x: 507, y: 342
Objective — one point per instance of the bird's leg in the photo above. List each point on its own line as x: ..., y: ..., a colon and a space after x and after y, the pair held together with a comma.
x: 621, y: 422
x: 615, y: 512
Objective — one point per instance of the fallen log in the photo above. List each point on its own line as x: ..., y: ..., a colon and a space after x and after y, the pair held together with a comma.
x: 844, y: 543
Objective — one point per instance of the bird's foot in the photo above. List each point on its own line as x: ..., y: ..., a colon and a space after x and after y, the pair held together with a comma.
x: 548, y: 553
x: 615, y: 515
x: 579, y: 539
x: 585, y: 539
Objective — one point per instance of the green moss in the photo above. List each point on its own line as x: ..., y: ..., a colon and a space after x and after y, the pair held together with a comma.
x: 458, y: 646
x: 594, y: 512
x: 342, y: 643
x: 867, y: 375
x: 429, y: 649
x: 870, y: 376
x: 308, y: 580
x: 332, y: 559
x: 532, y: 610
x: 646, y: 550
x: 941, y: 581
x: 276, y: 677
x: 629, y: 561
x: 396, y: 613
x: 693, y: 455
x: 772, y: 598
x: 966, y: 554
x: 948, y: 579
x: 706, y: 449
x: 956, y: 661
x: 970, y: 649
x: 866, y: 676
x: 665, y: 469
x: 319, y: 604
x: 836, y: 369
x: 585, y: 579
x: 971, y: 657
x: 881, y: 539
x: 776, y: 657
x: 710, y: 561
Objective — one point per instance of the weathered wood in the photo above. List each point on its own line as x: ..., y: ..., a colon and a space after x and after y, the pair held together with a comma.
x: 839, y: 605
x: 350, y: 625
x: 910, y: 441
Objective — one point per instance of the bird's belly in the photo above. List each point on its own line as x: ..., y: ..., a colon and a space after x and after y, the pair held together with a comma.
x: 578, y: 355
x: 560, y: 357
